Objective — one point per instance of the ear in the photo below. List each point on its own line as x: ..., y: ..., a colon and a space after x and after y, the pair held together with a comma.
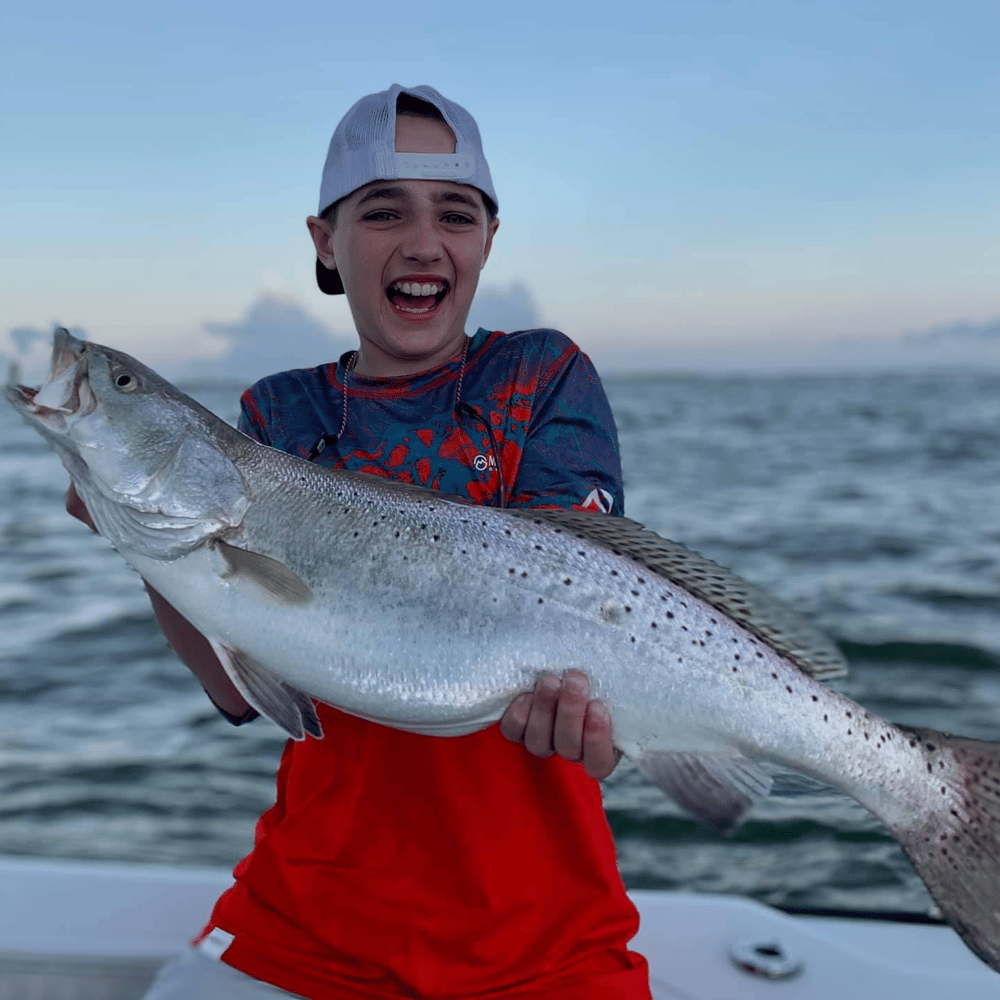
x: 491, y: 229
x: 322, y: 237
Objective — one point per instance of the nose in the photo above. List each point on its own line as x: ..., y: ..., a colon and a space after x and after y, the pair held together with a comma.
x: 421, y: 240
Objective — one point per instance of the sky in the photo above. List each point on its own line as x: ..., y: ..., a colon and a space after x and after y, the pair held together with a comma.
x: 688, y: 183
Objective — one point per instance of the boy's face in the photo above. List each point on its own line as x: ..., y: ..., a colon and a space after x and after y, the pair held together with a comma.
x: 409, y: 253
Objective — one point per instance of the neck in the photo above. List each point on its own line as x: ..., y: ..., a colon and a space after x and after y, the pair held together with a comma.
x: 373, y: 363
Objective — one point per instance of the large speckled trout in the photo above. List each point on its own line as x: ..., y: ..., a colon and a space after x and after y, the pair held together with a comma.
x: 418, y: 611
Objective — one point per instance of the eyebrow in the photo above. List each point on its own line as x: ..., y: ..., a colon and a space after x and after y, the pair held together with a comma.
x: 398, y: 194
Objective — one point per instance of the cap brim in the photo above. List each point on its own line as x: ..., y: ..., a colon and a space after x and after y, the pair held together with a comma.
x: 328, y: 280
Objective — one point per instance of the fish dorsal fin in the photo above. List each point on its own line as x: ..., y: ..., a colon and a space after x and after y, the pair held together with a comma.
x: 771, y: 621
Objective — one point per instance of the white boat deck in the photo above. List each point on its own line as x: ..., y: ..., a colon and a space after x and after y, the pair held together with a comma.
x: 97, y: 931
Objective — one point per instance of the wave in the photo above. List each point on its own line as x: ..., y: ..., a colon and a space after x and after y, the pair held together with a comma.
x: 948, y: 654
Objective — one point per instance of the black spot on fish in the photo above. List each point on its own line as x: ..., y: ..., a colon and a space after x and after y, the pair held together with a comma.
x: 567, y: 581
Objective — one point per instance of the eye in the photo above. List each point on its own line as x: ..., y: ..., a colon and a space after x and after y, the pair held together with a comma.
x: 124, y: 380
x: 456, y: 219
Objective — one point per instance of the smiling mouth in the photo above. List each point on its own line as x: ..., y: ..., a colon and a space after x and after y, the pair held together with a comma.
x: 417, y: 298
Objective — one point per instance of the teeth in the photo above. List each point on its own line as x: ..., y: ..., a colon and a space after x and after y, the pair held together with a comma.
x: 415, y: 288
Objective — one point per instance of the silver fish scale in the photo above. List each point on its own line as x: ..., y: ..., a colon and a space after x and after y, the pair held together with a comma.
x: 501, y: 596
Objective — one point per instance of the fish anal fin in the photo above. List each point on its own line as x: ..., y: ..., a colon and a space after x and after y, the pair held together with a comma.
x: 718, y: 788
x: 272, y: 576
x: 283, y: 704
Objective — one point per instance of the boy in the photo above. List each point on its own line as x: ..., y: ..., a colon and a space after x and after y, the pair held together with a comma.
x: 393, y: 864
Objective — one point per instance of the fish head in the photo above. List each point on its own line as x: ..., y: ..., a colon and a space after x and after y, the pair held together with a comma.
x: 130, y: 438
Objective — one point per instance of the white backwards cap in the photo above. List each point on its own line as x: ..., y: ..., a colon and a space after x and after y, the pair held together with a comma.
x: 363, y: 149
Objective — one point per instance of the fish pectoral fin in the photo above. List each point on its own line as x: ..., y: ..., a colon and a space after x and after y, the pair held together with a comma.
x: 719, y: 788
x: 283, y: 704
x: 273, y: 577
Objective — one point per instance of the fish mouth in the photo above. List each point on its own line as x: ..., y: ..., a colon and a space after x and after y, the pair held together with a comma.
x: 66, y: 392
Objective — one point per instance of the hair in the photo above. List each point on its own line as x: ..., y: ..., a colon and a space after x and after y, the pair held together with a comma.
x: 414, y: 107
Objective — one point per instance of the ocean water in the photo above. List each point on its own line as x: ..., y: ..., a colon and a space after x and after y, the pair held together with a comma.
x: 867, y: 502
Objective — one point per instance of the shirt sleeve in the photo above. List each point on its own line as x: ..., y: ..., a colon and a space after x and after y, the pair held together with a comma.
x: 570, y: 457
x: 252, y: 423
x: 254, y: 414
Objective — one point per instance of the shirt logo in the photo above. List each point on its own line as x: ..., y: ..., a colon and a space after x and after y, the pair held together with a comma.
x: 484, y: 462
x: 600, y: 500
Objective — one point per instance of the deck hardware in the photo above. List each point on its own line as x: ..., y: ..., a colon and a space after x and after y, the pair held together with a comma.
x: 769, y: 958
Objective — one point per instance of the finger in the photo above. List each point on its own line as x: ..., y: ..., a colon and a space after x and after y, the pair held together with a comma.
x: 541, y: 719
x: 514, y: 720
x: 567, y: 735
x: 599, y: 754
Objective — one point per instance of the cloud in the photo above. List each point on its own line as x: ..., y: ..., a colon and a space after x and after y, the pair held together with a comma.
x: 958, y: 330
x: 848, y: 354
x: 30, y: 348
x: 274, y: 334
x: 504, y: 307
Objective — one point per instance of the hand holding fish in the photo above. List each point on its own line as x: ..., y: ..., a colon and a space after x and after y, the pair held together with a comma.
x: 560, y: 717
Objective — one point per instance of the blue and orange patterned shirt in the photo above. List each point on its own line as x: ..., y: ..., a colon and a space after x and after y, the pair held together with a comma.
x: 399, y: 865
x: 537, y: 409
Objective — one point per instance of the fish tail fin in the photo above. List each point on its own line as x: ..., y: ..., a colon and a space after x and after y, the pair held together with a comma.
x: 956, y: 850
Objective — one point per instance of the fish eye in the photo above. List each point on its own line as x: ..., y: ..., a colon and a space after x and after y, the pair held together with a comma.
x: 125, y: 381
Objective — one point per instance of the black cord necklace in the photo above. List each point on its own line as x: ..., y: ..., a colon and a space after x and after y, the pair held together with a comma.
x: 459, y: 408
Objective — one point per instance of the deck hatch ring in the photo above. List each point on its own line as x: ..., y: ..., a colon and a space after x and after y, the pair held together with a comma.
x: 769, y: 958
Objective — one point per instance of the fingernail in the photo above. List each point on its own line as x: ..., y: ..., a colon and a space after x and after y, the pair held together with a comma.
x: 551, y: 685
x: 600, y: 710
